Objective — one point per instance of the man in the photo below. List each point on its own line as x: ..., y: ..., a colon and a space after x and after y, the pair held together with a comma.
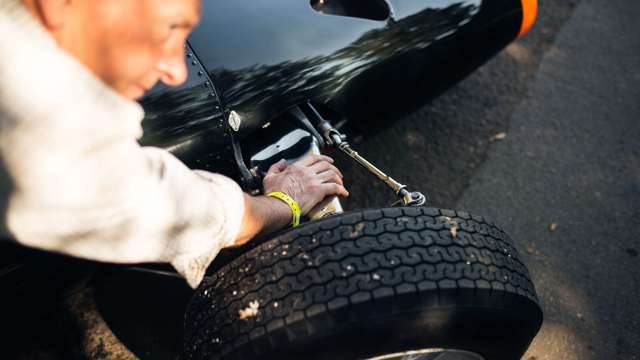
x: 73, y: 178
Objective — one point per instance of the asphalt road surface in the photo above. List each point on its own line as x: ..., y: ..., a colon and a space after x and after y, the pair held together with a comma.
x: 567, y: 97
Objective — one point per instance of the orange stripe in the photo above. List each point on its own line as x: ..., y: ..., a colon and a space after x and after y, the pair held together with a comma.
x: 529, y: 14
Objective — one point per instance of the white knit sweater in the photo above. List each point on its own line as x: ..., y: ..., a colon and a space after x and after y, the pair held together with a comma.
x: 73, y: 178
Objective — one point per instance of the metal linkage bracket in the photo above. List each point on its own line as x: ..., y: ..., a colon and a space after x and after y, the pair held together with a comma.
x: 334, y: 138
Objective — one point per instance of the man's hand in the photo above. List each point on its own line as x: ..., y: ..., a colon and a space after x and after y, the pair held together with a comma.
x: 308, y: 181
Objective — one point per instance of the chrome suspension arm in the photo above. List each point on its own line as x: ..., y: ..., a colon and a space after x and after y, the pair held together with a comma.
x: 332, y: 137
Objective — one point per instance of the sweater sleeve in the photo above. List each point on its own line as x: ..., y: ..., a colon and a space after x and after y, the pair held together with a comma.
x: 73, y: 178
x: 116, y: 201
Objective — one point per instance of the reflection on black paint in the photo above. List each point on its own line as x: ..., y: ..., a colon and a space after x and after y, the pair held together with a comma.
x: 175, y: 116
x: 260, y: 92
x: 188, y: 120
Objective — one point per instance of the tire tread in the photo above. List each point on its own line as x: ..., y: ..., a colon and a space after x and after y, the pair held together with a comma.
x: 310, y: 270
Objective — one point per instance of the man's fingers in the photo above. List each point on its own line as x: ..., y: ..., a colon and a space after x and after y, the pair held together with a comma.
x: 331, y: 176
x: 312, y: 159
x: 323, y: 166
x: 334, y: 189
x: 278, y: 167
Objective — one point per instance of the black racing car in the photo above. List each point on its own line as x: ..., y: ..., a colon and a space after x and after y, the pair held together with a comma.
x: 286, y: 78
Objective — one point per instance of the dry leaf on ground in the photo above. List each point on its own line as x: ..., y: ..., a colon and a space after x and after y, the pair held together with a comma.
x: 531, y: 250
x: 499, y: 136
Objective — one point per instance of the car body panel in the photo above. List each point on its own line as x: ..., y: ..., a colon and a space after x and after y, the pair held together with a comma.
x: 265, y: 56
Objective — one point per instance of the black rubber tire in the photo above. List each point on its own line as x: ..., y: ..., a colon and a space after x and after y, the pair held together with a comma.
x: 369, y: 283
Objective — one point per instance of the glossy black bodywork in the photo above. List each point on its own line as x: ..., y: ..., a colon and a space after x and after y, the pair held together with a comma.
x: 264, y: 57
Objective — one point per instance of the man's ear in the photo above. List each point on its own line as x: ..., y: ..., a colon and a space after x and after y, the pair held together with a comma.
x: 53, y: 12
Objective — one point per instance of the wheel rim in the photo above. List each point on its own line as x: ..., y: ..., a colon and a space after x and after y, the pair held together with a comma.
x: 430, y: 354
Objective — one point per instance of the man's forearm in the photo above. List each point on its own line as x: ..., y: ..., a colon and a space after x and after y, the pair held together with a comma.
x: 263, y: 215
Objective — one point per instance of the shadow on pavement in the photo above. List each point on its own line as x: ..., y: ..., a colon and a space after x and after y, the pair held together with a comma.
x: 144, y: 311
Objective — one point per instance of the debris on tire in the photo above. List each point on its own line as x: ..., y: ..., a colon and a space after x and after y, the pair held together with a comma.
x: 453, y: 230
x: 250, y: 311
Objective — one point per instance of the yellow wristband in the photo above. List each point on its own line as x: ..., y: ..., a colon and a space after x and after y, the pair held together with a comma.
x: 293, y: 205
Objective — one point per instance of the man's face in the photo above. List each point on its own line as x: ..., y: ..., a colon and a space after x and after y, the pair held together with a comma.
x: 129, y: 44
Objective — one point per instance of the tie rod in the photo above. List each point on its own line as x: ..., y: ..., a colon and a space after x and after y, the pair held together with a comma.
x: 333, y: 138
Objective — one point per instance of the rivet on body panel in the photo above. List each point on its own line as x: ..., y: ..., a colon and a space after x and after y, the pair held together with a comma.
x: 234, y: 121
